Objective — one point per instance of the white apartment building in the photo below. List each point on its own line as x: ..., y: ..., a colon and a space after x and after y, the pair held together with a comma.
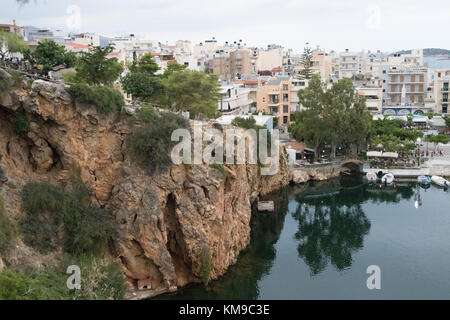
x: 374, y: 63
x: 351, y: 64
x: 297, y: 85
x: 269, y: 59
x: 234, y: 99
x: 413, y: 58
x: 405, y: 90
x: 86, y: 39
x: 128, y: 45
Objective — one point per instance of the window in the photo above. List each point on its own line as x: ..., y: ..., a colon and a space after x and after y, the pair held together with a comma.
x: 444, y: 108
x: 285, y: 97
x: 285, y: 87
x: 285, y: 119
x: 285, y: 108
x: 274, y: 109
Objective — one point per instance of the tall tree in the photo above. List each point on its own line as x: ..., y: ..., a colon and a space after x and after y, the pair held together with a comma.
x: 10, y: 43
x: 141, y: 82
x: 145, y: 64
x: 333, y: 116
x: 95, y: 67
x: 310, y: 125
x: 307, y: 62
x: 193, y: 91
x: 49, y: 54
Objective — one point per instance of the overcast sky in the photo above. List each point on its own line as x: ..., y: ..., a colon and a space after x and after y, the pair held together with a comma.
x: 333, y: 24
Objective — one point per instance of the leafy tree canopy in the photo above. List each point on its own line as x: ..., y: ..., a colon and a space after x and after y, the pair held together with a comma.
x: 49, y: 54
x: 94, y: 67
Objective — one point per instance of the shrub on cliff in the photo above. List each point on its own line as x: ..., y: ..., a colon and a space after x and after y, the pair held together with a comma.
x: 20, y: 125
x: 99, y: 281
x: 106, y: 99
x: 220, y: 168
x: 8, y: 231
x: 205, y: 259
x: 52, y: 213
x: 150, y: 142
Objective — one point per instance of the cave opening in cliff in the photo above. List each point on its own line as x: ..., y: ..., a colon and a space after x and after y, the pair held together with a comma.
x: 175, y: 243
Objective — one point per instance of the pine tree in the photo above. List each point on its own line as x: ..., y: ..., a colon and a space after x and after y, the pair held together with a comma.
x: 307, y: 62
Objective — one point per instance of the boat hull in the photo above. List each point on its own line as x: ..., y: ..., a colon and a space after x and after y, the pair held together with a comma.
x: 440, y: 181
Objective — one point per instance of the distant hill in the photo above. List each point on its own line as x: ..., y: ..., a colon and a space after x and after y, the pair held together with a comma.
x: 428, y: 52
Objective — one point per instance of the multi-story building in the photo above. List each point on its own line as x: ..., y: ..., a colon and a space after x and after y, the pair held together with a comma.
x: 240, y: 63
x: 321, y: 64
x: 129, y: 46
x: 374, y: 98
x: 413, y: 58
x: 297, y: 85
x: 404, y: 90
x: 221, y: 65
x: 374, y: 63
x: 268, y: 59
x: 442, y: 90
x: 14, y: 28
x: 275, y: 97
x: 351, y: 64
x: 234, y: 99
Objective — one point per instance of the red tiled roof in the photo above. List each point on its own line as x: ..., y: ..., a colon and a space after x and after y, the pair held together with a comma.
x: 77, y: 46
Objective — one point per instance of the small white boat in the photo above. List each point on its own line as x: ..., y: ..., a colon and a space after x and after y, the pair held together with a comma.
x: 388, y: 178
x: 440, y: 181
x: 372, y: 176
x: 423, y: 180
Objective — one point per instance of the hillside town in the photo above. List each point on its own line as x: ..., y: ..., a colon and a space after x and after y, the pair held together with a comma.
x: 265, y: 82
x: 89, y: 124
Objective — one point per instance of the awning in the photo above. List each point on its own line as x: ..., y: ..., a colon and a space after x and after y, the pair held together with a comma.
x: 378, y: 154
x: 390, y: 155
x: 374, y: 154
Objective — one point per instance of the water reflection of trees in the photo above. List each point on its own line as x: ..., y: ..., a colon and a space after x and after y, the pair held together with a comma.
x: 329, y: 232
x: 331, y: 222
x: 331, y: 227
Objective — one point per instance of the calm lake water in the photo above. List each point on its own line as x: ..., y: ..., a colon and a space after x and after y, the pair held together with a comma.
x: 323, y: 236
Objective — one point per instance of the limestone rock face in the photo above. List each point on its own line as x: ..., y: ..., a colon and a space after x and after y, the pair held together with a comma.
x: 166, y: 223
x: 300, y: 176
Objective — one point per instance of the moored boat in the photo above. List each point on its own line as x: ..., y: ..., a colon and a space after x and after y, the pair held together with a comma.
x: 440, y: 181
x: 423, y: 180
x: 388, y: 178
x: 372, y: 176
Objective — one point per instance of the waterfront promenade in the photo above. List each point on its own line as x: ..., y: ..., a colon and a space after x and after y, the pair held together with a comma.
x: 437, y: 165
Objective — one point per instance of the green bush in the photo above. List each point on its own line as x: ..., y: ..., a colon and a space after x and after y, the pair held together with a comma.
x: 106, y: 99
x: 99, y: 281
x: 150, y: 142
x: 246, y: 123
x: 51, y: 211
x: 20, y: 125
x: 8, y: 231
x: 220, y: 168
x: 5, y: 81
x: 18, y: 286
x: 205, y: 259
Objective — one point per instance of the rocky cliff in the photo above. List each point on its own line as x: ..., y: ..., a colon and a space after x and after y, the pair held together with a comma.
x: 166, y: 223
